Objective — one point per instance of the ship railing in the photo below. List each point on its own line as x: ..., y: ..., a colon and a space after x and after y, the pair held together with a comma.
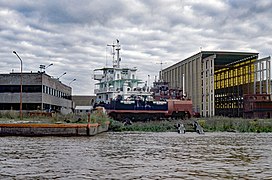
x: 99, y: 90
x: 98, y: 76
x: 103, y: 90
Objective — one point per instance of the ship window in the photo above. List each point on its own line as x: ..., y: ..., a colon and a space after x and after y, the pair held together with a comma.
x: 118, y: 76
x: 133, y: 76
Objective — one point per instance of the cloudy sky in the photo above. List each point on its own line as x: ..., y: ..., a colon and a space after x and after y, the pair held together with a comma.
x: 73, y: 34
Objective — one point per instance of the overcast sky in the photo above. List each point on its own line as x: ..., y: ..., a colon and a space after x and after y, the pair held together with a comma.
x: 73, y: 34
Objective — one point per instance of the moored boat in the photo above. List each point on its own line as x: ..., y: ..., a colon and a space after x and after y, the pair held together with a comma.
x: 120, y: 92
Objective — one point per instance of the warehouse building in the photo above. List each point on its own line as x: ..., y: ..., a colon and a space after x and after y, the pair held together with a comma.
x: 39, y: 92
x: 217, y: 81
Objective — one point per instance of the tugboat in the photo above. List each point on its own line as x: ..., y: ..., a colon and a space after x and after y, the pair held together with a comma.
x: 120, y: 93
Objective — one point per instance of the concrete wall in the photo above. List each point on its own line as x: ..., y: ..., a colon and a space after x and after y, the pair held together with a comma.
x: 186, y: 75
x: 52, y: 129
x: 15, y: 97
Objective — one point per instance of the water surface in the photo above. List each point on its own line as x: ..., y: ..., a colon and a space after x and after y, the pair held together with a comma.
x: 136, y: 155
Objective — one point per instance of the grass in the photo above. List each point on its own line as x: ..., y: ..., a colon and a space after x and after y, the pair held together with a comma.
x: 95, y: 117
x: 215, y: 124
x: 150, y: 126
x: 236, y: 124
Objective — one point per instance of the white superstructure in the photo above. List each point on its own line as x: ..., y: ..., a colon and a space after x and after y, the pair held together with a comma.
x: 116, y: 82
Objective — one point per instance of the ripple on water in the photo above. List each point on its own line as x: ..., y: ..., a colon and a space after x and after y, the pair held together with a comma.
x: 136, y: 155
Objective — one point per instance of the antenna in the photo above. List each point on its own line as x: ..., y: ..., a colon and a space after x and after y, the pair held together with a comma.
x: 118, y: 48
x: 161, y: 63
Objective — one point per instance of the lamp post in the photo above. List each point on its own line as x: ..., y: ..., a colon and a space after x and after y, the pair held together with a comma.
x: 72, y: 105
x: 21, y: 84
x: 48, y: 65
x: 72, y: 81
x: 62, y: 75
x: 43, y: 67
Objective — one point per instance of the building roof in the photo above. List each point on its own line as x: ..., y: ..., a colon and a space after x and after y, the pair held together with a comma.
x: 222, y: 57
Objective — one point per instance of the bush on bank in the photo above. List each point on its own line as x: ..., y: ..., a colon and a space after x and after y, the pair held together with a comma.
x: 6, y: 115
x: 153, y: 126
x: 95, y: 117
x: 224, y: 124
x: 215, y: 124
x: 148, y: 126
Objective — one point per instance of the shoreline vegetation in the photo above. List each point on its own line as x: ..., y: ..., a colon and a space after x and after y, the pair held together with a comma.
x: 213, y: 124
x: 14, y: 117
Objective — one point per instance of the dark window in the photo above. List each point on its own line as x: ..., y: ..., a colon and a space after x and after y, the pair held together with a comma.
x: 17, y: 88
x: 32, y: 88
x: 16, y: 106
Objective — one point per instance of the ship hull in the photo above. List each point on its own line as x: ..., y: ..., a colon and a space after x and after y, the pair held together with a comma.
x: 151, y: 110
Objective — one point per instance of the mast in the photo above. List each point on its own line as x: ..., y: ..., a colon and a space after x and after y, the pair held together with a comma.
x: 116, y: 47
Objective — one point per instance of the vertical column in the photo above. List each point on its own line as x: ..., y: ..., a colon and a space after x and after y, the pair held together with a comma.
x: 267, y: 76
x: 212, y: 113
x: 255, y: 78
x: 260, y: 77
x: 204, y: 97
x: 186, y: 79
x: 208, y: 86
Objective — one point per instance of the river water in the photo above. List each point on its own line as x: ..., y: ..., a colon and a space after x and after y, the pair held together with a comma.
x: 137, y: 155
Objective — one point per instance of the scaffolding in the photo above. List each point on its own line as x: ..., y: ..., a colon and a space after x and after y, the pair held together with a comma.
x: 234, y: 80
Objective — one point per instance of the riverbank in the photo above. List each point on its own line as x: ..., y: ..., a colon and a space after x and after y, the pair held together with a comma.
x: 214, y: 124
x: 58, y: 125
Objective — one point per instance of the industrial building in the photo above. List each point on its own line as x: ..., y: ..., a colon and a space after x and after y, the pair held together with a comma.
x: 83, y: 104
x: 39, y: 92
x: 218, y: 81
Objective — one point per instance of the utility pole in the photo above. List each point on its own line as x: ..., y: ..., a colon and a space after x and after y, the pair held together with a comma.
x: 161, y: 63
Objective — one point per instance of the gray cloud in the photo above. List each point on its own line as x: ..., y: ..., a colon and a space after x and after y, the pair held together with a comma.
x: 73, y: 34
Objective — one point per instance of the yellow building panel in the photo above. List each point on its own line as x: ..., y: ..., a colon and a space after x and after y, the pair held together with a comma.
x: 239, y: 74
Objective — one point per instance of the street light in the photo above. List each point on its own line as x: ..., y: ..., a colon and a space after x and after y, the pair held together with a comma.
x: 21, y: 84
x: 43, y: 67
x: 48, y: 65
x: 62, y: 75
x: 71, y: 81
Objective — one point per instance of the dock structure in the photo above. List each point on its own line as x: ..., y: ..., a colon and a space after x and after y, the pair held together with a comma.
x: 29, y: 129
